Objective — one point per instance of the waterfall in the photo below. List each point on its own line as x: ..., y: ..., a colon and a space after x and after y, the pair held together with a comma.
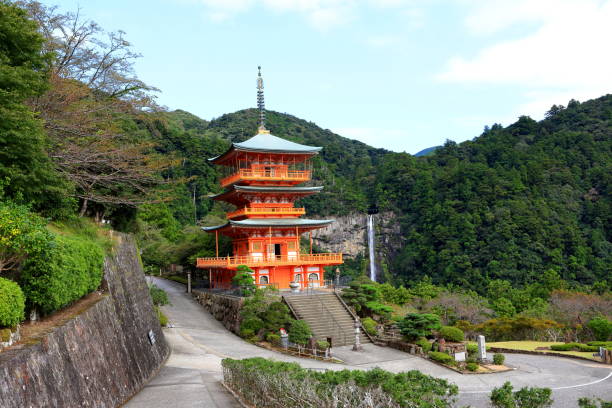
x: 371, y: 247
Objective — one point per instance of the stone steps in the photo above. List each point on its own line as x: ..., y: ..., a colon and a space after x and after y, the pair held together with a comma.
x: 327, y: 317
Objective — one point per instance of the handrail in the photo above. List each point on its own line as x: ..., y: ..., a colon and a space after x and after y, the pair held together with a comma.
x: 336, y: 324
x: 292, y: 175
x: 355, y: 317
x: 264, y: 210
x: 250, y: 260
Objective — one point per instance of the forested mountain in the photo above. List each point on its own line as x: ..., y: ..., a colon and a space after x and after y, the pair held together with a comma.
x: 80, y: 137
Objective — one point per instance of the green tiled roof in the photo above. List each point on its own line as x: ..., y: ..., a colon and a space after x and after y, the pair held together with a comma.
x: 272, y: 222
x: 268, y: 143
x: 270, y: 189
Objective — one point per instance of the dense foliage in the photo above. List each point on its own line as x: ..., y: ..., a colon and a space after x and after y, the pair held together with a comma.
x: 415, y: 325
x: 66, y: 270
x: 272, y: 384
x: 12, y: 303
x: 504, y: 397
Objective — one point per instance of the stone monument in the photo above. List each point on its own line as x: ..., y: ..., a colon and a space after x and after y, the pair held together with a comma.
x: 482, y: 348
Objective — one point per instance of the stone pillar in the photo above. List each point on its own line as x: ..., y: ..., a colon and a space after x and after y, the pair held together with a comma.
x: 357, y: 346
x: 284, y: 339
x: 482, y: 348
x: 188, y: 281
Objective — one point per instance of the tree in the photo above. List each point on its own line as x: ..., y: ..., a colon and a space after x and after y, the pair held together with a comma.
x: 299, y: 333
x: 243, y: 279
x: 415, y: 325
x: 90, y: 113
x: 23, y: 74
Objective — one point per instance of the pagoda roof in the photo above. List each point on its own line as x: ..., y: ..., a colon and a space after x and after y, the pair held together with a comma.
x: 235, y: 192
x: 265, y: 142
x: 271, y: 222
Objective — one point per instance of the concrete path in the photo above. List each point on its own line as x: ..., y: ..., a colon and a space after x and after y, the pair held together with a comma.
x: 192, y: 374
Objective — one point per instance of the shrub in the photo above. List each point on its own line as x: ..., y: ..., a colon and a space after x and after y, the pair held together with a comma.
x: 163, y: 319
x: 504, y: 397
x: 498, y: 359
x: 299, y: 333
x: 472, y: 366
x: 516, y: 328
x: 322, y: 345
x: 607, y: 344
x: 472, y: 348
x: 62, y: 273
x: 441, y: 357
x: 265, y: 383
x: 22, y: 234
x: 450, y: 333
x: 158, y: 296
x: 574, y: 347
x: 424, y: 344
x: 369, y: 325
x: 12, y: 303
x: 250, y: 326
x: 273, y: 338
x: 590, y: 403
x: 276, y: 317
x: 416, y: 325
x: 601, y: 328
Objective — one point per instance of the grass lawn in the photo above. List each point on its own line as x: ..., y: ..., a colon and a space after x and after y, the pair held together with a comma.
x: 531, y: 346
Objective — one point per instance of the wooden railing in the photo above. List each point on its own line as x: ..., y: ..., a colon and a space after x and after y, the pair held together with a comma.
x: 266, y: 175
x: 270, y: 260
x: 267, y: 211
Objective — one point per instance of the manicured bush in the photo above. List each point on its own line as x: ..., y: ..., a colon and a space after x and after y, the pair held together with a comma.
x: 601, y: 328
x: 12, y: 303
x: 498, y: 359
x: 322, y: 345
x: 574, y: 347
x: 273, y: 338
x: 158, y: 296
x: 453, y: 334
x: 64, y: 272
x: 22, y: 234
x: 441, y: 357
x: 270, y: 384
x: 299, y: 333
x: 424, y: 344
x: 504, y: 397
x: 472, y: 348
x: 607, y: 344
x: 250, y: 326
x: 369, y: 325
x: 472, y: 366
x: 416, y: 325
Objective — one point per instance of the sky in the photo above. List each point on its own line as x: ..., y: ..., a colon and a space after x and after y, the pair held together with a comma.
x: 397, y: 74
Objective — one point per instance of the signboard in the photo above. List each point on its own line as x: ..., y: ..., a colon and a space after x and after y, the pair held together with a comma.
x: 151, y: 337
x: 460, y: 356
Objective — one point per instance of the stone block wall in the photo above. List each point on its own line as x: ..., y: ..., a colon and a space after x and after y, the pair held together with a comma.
x: 98, y: 359
x: 224, y: 308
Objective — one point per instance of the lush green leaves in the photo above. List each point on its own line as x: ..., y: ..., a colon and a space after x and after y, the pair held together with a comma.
x: 415, y: 325
x: 12, y: 303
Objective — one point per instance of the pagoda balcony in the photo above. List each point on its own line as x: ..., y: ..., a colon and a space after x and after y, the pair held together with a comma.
x: 267, y: 212
x: 292, y: 176
x: 232, y: 262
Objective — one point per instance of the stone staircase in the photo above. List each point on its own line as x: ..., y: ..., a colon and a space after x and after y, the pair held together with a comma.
x: 326, y: 316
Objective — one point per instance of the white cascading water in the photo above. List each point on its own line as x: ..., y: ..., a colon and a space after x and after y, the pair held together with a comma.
x: 371, y: 247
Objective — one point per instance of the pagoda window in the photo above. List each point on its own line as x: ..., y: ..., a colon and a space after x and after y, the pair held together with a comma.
x: 297, y: 278
x: 256, y: 246
x: 291, y: 246
x: 263, y: 280
x: 313, y: 276
x: 263, y: 271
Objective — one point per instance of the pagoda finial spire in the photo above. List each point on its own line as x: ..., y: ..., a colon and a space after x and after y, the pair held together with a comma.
x: 260, y: 102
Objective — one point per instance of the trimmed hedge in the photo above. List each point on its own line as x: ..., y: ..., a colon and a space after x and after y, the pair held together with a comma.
x: 68, y: 269
x: 498, y: 359
x: 441, y: 357
x: 453, y: 334
x: 574, y: 347
x: 472, y: 366
x: 12, y: 303
x: 369, y: 325
x: 270, y: 384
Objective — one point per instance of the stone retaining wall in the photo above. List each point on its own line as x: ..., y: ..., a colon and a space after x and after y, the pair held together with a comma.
x: 98, y: 359
x: 224, y: 308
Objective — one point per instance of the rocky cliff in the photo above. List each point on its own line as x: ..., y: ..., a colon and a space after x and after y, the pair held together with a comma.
x: 98, y: 359
x: 349, y: 236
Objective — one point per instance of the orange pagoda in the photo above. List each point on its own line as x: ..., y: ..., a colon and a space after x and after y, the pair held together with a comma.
x: 261, y: 178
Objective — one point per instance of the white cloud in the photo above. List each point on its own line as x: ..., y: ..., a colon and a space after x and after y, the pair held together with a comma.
x: 566, y: 54
x: 381, y: 41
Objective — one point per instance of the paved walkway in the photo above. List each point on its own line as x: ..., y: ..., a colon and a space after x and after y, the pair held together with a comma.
x: 192, y: 374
